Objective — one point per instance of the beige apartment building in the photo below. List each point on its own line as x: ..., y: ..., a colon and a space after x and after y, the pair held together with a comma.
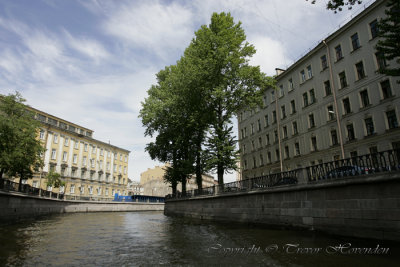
x: 330, y: 104
x: 153, y: 183
x: 89, y: 167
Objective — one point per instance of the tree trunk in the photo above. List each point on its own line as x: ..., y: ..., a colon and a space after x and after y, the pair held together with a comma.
x: 173, y: 185
x: 20, y: 183
x: 199, y: 178
x: 183, y: 181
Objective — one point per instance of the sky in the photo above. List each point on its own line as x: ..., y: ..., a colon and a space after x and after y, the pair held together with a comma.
x: 91, y: 62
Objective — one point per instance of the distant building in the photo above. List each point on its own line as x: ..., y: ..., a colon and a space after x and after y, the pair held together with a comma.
x: 153, y: 183
x: 330, y: 104
x: 134, y: 188
x: 89, y: 167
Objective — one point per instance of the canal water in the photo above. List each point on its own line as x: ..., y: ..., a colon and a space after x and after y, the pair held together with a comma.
x: 152, y: 239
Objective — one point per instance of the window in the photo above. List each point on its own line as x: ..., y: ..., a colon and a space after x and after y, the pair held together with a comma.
x: 338, y: 50
x: 265, y: 102
x: 369, y: 126
x: 92, y: 163
x: 312, y: 96
x: 305, y: 100
x: 41, y: 135
x: 360, y: 70
x: 84, y: 161
x: 73, y: 172
x: 120, y: 168
x: 293, y: 106
x: 291, y: 86
x: 281, y: 92
x: 258, y: 124
x: 101, y: 152
x: 261, y: 160
x: 108, y: 154
x: 91, y: 190
x: 380, y: 60
x: 93, y: 150
x: 276, y: 136
x: 331, y: 113
x: 124, y: 170
x: 72, y: 189
x: 245, y: 132
x: 286, y: 152
x: 311, y: 120
x: 267, y: 141
x: 324, y: 63
x: 120, y: 156
x: 252, y: 128
x: 53, y: 154
x: 342, y: 79
x: 373, y: 26
x: 392, y: 119
x: 55, y: 139
x: 297, y: 148
x: 113, y: 192
x: 364, y: 98
x: 254, y: 162
x: 294, y: 125
x: 35, y: 184
x: 285, y: 132
x: 327, y: 86
x: 346, y: 106
x: 277, y: 155
x: 269, y: 156
x: 386, y: 90
x: 266, y: 120
x: 274, y: 116
x: 283, y: 109
x: 314, y: 143
x: 98, y: 191
x: 75, y: 158
x: 350, y: 132
x: 126, y: 156
x: 115, y: 168
x: 82, y: 189
x: 76, y: 144
x: 355, y: 42
x: 334, y: 138
x: 302, y: 76
x: 101, y: 164
x: 272, y: 96
x: 86, y: 147
x: 259, y: 142
x: 309, y: 72
x: 66, y: 141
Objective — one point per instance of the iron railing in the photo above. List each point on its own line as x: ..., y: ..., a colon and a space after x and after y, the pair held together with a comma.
x: 385, y: 161
x: 7, y: 185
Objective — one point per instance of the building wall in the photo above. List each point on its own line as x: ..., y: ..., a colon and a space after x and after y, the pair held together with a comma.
x: 313, y: 142
x: 153, y: 183
x: 89, y: 167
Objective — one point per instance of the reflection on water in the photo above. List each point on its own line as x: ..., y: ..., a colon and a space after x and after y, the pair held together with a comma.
x: 150, y: 238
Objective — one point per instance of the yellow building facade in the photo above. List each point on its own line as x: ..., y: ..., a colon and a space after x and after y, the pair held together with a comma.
x: 152, y: 181
x: 91, y: 169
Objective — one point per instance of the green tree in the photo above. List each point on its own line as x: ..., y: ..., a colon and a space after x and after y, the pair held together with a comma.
x: 20, y: 150
x: 337, y: 5
x: 54, y: 180
x: 389, y: 31
x: 219, y: 57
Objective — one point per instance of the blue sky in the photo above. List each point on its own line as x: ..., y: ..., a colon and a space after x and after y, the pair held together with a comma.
x: 91, y: 62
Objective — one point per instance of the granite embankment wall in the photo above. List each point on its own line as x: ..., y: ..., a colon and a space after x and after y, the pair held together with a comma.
x: 14, y: 206
x: 364, y: 206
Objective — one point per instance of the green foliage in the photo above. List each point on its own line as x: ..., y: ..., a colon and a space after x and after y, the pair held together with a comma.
x: 337, y: 5
x: 192, y: 105
x: 20, y: 150
x: 389, y: 31
x: 54, y: 180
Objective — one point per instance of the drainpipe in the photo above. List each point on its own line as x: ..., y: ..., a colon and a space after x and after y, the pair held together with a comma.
x: 279, y: 129
x: 335, y: 100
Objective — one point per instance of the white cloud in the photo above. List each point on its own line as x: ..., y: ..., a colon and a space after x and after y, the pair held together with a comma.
x: 151, y: 25
x: 88, y: 47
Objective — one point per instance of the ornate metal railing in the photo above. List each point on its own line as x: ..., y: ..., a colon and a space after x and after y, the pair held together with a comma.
x: 385, y: 161
x: 10, y: 186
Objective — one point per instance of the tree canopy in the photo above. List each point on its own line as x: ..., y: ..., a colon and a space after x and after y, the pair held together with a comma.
x: 20, y: 149
x: 189, y: 110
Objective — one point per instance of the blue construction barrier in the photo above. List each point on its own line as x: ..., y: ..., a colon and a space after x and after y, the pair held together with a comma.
x: 139, y: 198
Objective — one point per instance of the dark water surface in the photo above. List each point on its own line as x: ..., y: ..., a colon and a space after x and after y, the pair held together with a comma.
x: 152, y: 239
